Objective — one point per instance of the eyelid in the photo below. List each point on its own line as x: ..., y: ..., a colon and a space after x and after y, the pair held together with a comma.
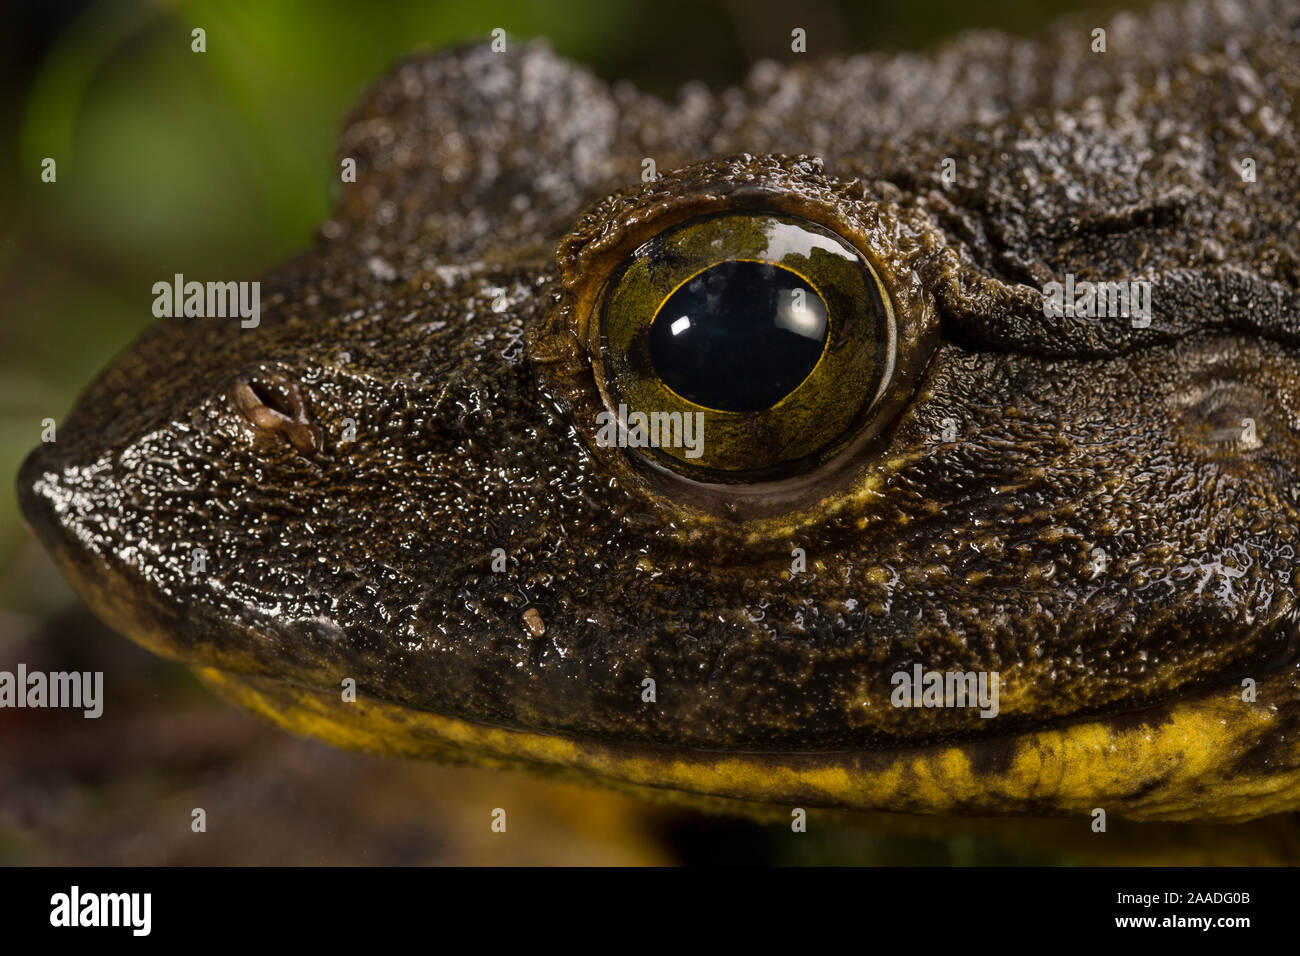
x: 893, y: 239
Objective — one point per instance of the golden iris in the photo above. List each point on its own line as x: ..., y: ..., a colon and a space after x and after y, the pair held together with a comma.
x: 770, y: 329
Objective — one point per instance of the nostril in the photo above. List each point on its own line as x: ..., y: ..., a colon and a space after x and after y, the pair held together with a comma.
x: 1227, y: 418
x: 275, y: 406
x: 272, y: 398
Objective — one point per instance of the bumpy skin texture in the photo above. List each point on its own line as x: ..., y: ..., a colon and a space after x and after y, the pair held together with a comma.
x: 447, y: 313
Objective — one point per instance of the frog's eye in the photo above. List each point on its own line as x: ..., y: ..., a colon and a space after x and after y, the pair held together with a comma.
x: 744, y: 347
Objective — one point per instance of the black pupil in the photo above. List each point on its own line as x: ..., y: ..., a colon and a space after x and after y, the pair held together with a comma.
x: 738, y: 337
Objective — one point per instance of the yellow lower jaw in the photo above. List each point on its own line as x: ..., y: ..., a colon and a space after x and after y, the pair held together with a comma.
x: 1213, y: 757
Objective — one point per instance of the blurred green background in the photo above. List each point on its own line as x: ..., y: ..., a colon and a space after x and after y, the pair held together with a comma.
x: 220, y: 164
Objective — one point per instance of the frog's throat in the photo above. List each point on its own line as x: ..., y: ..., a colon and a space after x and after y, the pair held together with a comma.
x: 1211, y: 757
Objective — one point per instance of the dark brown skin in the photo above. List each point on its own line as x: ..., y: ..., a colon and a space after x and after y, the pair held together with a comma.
x: 449, y: 311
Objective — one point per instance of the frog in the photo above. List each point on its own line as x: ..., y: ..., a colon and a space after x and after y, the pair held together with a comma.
x: 392, y: 513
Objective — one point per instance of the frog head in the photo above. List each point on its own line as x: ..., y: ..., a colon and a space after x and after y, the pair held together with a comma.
x: 886, y: 433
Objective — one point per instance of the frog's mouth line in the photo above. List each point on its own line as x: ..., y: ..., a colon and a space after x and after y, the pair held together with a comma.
x: 1209, y: 756
x: 1205, y: 758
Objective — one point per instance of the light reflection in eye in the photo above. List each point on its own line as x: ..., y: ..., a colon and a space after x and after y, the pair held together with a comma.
x: 785, y: 239
x: 802, y: 313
